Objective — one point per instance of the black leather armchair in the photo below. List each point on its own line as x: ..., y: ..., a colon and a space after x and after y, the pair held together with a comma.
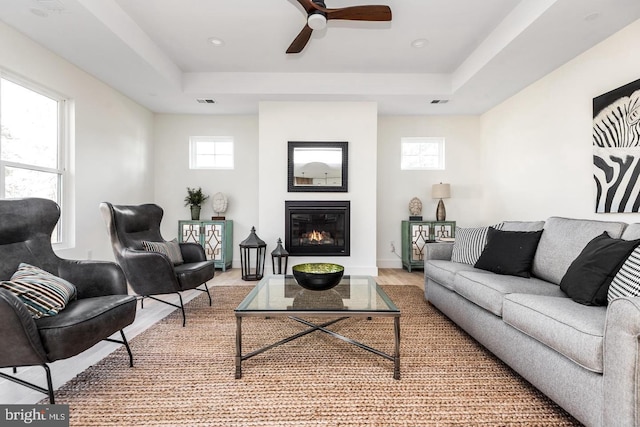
x: 153, y: 273
x: 101, y: 309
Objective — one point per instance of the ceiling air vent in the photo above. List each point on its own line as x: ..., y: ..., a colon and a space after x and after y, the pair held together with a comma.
x: 52, y: 5
x: 205, y: 101
x: 439, y: 101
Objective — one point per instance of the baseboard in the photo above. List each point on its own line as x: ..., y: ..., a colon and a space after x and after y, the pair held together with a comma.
x: 389, y: 263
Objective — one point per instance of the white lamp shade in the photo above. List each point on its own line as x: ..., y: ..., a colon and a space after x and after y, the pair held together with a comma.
x: 317, y: 21
x: 440, y: 191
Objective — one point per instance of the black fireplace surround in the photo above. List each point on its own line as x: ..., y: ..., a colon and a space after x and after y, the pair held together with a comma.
x: 317, y: 228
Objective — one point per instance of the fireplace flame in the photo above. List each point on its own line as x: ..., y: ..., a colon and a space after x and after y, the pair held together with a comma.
x: 315, y: 236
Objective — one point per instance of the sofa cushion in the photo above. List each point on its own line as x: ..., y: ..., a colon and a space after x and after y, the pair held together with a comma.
x: 572, y: 329
x: 588, y: 278
x: 626, y: 282
x: 522, y: 225
x: 444, y: 272
x: 469, y: 244
x: 83, y: 324
x: 194, y: 274
x: 563, y: 240
x: 631, y: 232
x: 509, y: 252
x: 488, y: 289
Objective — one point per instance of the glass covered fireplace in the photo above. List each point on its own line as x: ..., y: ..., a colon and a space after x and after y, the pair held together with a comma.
x: 317, y: 228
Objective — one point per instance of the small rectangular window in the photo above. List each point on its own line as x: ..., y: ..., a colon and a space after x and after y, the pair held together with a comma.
x: 422, y: 153
x: 211, y: 152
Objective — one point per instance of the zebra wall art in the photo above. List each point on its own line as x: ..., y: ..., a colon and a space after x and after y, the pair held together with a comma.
x: 616, y: 149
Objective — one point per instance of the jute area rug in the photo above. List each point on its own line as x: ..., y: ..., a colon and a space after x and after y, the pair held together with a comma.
x: 185, y: 376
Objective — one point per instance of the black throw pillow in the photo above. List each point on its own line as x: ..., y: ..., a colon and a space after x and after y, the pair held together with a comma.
x: 588, y: 277
x: 509, y: 252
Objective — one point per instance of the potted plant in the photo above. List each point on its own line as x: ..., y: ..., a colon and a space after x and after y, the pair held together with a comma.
x: 195, y: 198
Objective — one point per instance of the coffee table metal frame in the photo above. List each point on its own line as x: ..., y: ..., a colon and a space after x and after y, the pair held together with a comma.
x: 296, y: 314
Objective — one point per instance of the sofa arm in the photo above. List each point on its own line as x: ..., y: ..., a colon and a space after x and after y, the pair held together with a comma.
x: 21, y: 344
x: 94, y: 278
x: 438, y: 250
x: 621, y: 362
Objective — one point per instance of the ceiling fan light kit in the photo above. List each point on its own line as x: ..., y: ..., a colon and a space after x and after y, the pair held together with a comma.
x: 318, y: 15
x: 317, y: 21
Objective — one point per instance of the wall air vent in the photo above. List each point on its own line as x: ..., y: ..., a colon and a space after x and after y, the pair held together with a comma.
x: 205, y: 101
x: 439, y: 101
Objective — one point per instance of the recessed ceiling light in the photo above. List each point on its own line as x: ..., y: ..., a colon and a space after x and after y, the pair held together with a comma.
x: 419, y: 43
x: 216, y: 41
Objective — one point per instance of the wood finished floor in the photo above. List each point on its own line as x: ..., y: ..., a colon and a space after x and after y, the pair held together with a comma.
x: 64, y: 370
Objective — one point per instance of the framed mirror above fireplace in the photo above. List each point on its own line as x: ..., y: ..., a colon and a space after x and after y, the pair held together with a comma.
x: 317, y: 166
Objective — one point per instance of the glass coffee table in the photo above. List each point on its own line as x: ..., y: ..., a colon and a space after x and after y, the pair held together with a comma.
x: 281, y: 296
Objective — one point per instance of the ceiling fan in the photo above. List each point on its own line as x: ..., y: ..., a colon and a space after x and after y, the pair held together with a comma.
x: 318, y: 15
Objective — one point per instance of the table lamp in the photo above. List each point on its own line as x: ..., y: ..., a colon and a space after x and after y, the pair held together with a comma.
x: 440, y: 191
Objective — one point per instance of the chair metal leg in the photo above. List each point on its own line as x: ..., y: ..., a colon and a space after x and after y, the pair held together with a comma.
x: 206, y: 289
x: 184, y: 316
x: 181, y: 306
x: 49, y: 384
x: 48, y: 391
x: 126, y: 345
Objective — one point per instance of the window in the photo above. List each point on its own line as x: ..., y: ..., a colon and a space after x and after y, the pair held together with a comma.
x: 422, y: 153
x: 32, y: 135
x: 211, y: 152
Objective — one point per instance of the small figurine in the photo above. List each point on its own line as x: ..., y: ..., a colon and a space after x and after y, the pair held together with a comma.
x: 415, y: 209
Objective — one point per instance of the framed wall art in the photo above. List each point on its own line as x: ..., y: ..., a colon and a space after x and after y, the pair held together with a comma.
x: 616, y: 149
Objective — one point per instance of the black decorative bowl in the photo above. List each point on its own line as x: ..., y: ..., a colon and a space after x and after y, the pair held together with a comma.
x: 318, y: 276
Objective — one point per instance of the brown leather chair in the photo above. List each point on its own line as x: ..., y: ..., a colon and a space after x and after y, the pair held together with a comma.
x: 153, y: 273
x: 101, y: 309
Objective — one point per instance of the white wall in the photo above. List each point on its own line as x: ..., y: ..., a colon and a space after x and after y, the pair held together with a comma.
x: 537, y: 152
x: 173, y: 176
x: 397, y: 187
x: 355, y: 122
x: 527, y: 158
x: 111, y: 154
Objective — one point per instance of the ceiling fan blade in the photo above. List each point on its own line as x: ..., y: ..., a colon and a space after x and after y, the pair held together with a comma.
x: 361, y: 13
x: 307, y: 5
x: 301, y: 40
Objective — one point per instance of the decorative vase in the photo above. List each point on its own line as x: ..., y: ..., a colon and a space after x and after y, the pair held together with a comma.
x: 441, y: 212
x: 195, y: 213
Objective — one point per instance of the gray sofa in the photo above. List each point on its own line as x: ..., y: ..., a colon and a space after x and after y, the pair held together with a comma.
x: 585, y: 358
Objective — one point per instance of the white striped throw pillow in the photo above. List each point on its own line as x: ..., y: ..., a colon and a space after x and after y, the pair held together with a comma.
x: 43, y: 293
x: 170, y: 249
x: 626, y: 282
x: 470, y: 243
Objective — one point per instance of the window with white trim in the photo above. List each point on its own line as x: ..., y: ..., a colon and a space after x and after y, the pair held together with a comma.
x: 422, y: 153
x: 211, y: 152
x: 32, y: 142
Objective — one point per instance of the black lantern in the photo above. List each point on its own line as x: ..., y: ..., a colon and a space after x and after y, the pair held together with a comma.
x: 252, y: 254
x: 278, y: 253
